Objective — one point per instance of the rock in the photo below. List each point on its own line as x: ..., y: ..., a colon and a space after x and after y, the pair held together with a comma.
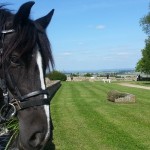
x: 120, y: 97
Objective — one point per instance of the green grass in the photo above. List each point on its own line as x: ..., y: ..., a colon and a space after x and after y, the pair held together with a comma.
x: 84, y: 119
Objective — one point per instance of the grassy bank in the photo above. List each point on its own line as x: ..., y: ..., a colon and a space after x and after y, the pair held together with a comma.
x: 85, y: 120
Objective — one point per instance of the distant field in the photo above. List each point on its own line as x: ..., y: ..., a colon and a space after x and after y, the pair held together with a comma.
x: 84, y: 119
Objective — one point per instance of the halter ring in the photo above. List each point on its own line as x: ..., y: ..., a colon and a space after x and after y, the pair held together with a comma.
x: 3, y: 109
x: 14, y: 110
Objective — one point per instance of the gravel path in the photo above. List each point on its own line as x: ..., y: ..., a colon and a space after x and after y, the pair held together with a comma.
x: 135, y: 86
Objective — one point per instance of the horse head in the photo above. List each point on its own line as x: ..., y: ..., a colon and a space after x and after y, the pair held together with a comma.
x: 25, y: 54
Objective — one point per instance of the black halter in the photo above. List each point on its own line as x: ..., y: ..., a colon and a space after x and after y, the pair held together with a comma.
x: 13, y: 104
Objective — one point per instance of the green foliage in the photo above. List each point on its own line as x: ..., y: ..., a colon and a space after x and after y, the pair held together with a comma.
x: 75, y: 74
x: 88, y: 75
x: 143, y: 65
x: 139, y: 66
x: 145, y: 23
x: 56, y: 75
x: 13, y: 126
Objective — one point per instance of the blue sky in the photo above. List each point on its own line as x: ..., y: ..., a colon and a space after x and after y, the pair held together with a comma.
x: 93, y: 34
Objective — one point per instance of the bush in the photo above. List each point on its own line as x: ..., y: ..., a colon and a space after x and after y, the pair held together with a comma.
x: 88, y: 75
x: 144, y: 79
x: 75, y: 74
x: 56, y: 75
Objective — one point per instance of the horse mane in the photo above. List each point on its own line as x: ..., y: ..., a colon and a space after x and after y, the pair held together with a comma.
x: 4, y: 14
x: 27, y: 36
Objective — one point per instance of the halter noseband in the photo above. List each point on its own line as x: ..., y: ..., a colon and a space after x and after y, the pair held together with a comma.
x: 12, y: 105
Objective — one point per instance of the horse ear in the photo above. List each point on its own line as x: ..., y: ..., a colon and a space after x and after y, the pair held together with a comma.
x: 23, y: 13
x: 44, y: 21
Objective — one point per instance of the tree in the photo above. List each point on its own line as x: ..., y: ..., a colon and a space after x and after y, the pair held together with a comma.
x: 145, y: 23
x: 143, y: 65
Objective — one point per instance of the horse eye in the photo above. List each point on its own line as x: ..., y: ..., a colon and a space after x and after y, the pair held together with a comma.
x: 14, y: 60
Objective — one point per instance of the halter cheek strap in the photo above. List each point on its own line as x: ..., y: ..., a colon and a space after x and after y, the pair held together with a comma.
x: 30, y: 103
x: 32, y: 94
x: 25, y: 103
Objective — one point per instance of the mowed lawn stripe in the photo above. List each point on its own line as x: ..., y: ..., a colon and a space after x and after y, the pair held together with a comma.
x: 132, y: 118
x: 84, y: 119
x: 113, y: 133
x: 73, y: 131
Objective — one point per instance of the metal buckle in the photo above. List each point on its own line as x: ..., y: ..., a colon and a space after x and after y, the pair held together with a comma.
x: 16, y: 102
x: 5, y: 113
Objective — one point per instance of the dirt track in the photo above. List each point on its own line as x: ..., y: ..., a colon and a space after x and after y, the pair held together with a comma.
x: 135, y: 86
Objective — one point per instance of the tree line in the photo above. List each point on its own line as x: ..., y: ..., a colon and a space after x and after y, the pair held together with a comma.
x: 143, y: 65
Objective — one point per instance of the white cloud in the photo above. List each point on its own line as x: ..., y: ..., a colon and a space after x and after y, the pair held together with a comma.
x: 66, y: 54
x: 100, y: 27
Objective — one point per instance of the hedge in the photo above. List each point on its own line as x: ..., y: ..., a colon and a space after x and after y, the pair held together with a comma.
x: 56, y: 75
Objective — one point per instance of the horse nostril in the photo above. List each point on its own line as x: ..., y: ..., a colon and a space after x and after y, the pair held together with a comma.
x: 36, y: 139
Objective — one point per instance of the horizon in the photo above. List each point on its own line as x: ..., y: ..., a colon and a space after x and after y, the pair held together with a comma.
x: 99, y: 70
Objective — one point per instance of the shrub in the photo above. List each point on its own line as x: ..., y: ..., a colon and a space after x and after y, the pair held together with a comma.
x: 75, y: 74
x: 56, y: 75
x: 88, y: 75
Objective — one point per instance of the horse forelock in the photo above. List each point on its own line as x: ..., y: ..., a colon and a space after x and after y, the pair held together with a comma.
x: 4, y: 14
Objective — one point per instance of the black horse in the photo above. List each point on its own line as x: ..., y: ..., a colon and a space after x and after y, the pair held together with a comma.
x: 25, y: 54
